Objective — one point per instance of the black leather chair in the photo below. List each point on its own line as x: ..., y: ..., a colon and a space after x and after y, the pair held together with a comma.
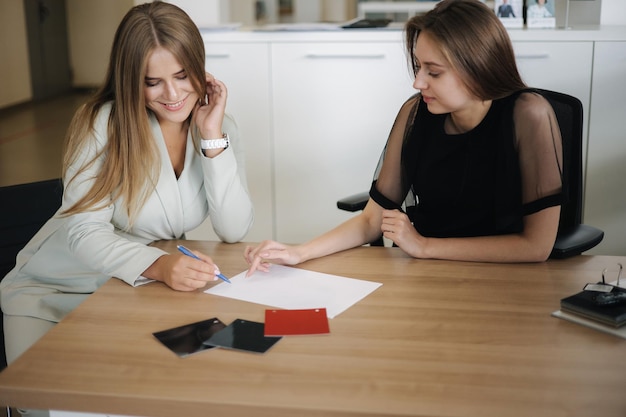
x: 573, y: 236
x: 24, y: 208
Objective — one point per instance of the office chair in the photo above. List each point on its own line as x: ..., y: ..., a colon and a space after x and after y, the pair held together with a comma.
x: 573, y: 236
x: 24, y: 209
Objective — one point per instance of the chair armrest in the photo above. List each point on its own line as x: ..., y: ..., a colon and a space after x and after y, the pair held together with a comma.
x: 354, y: 202
x: 575, y: 241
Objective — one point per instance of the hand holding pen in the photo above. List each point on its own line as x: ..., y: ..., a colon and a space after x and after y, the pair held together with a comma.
x: 191, y: 254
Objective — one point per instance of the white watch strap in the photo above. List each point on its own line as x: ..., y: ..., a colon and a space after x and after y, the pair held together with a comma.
x: 222, y: 143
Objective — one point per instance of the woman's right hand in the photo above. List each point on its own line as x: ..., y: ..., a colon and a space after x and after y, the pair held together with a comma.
x: 183, y: 273
x: 209, y: 116
x: 262, y: 256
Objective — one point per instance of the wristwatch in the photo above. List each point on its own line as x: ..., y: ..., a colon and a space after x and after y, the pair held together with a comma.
x: 222, y: 143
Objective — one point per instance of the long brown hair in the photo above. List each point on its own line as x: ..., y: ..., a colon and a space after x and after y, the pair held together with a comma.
x: 130, y: 160
x: 475, y: 43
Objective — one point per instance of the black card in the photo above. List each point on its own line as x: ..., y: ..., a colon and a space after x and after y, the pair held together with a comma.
x: 188, y: 339
x: 243, y: 335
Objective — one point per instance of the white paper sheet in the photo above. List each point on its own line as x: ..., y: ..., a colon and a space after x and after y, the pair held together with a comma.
x: 294, y: 288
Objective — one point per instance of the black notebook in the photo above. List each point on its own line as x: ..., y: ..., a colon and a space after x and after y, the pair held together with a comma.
x: 588, y: 304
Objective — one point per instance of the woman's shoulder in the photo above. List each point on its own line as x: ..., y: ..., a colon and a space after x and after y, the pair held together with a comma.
x: 532, y: 104
x: 412, y: 101
x: 532, y: 96
x: 409, y: 107
x: 105, y: 109
x: 103, y: 114
x: 99, y: 126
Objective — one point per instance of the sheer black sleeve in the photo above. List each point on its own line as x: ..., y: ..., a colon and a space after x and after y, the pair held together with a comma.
x: 539, y: 146
x: 390, y: 189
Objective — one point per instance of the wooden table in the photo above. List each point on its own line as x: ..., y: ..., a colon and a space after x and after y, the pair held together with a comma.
x: 438, y: 338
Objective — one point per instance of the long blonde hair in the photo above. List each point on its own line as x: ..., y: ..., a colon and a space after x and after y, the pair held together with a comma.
x: 131, y: 162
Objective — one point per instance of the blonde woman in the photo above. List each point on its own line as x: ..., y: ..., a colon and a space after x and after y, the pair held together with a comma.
x: 135, y: 170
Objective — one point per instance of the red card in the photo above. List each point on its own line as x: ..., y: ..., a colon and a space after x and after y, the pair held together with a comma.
x: 293, y: 322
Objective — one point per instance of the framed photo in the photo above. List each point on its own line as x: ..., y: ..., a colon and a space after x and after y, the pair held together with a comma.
x: 540, y: 14
x: 510, y: 12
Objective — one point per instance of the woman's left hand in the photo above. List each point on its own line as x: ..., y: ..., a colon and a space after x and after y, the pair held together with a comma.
x: 209, y: 116
x: 397, y: 227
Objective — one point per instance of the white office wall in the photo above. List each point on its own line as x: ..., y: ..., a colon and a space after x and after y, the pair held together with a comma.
x: 307, y: 11
x: 338, y: 11
x: 205, y: 12
x: 613, y: 12
x: 14, y: 66
x: 239, y: 11
x: 91, y: 26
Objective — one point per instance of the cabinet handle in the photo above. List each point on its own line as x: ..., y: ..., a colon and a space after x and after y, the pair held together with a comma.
x: 224, y: 55
x: 540, y: 55
x: 314, y: 55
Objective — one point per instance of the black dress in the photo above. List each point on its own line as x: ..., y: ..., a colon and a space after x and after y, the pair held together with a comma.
x: 477, y: 183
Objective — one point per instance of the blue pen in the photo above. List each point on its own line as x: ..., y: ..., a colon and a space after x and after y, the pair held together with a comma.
x: 189, y: 253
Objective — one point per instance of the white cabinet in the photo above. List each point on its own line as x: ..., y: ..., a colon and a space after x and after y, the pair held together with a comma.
x: 605, y: 197
x: 334, y: 105
x: 244, y: 68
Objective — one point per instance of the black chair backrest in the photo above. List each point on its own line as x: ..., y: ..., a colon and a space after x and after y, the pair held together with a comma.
x: 569, y: 113
x: 24, y: 209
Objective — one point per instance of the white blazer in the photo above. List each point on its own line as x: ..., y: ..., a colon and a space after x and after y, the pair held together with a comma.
x: 70, y: 257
